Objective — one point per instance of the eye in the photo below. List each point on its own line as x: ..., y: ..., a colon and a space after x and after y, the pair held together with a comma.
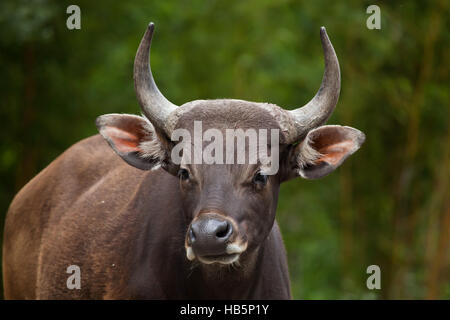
x: 183, y: 174
x: 260, y: 179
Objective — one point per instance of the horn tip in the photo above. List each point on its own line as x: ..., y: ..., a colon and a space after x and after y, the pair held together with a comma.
x: 324, y: 36
x: 151, y: 26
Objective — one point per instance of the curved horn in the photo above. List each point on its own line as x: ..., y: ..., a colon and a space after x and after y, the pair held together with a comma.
x: 319, y: 109
x: 154, y: 105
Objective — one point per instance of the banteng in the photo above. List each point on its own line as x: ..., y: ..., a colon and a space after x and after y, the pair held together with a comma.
x: 152, y: 228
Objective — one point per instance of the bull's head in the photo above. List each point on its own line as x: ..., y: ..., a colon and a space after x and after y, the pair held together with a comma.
x: 231, y: 207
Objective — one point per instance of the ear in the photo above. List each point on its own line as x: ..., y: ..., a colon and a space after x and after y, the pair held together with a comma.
x: 134, y: 139
x: 322, y: 151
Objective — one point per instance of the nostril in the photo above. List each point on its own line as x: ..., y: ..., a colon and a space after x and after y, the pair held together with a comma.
x: 191, y: 236
x: 224, y: 231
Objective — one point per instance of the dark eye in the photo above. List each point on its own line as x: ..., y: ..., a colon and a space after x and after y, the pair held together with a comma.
x: 260, y: 179
x: 183, y: 174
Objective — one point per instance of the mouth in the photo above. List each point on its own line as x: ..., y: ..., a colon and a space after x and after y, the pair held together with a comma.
x: 222, y: 259
x: 232, y: 255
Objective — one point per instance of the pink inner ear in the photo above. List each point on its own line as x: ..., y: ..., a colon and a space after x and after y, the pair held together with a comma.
x: 124, y: 141
x: 334, y: 153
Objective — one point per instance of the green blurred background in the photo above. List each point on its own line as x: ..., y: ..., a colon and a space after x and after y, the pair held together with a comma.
x: 388, y: 205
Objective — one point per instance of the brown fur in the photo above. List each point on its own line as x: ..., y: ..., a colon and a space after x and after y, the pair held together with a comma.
x: 126, y: 228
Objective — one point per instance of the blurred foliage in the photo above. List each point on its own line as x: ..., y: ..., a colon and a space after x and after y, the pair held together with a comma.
x: 388, y: 205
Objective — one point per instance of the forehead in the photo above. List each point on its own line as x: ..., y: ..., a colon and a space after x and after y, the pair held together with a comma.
x: 227, y: 114
x: 253, y: 122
